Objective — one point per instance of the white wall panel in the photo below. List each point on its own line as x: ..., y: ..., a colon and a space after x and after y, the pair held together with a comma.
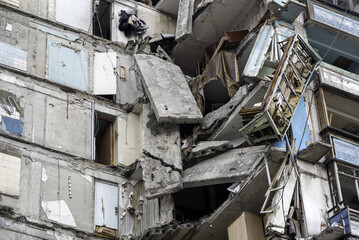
x: 74, y: 13
x: 9, y: 174
x: 104, y: 76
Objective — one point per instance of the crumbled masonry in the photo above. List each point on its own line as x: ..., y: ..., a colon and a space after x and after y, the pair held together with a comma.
x: 179, y: 119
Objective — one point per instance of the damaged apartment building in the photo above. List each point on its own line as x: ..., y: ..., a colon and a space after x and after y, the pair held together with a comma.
x: 179, y: 119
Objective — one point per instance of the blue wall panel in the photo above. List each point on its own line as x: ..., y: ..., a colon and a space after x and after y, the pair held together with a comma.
x: 67, y: 66
x: 298, y: 125
x: 12, y: 125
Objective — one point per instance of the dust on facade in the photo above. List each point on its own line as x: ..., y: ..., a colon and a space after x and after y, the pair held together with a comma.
x: 179, y: 119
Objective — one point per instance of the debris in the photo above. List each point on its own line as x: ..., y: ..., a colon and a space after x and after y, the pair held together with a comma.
x: 206, y: 149
x: 129, y: 23
x: 159, y: 179
x: 184, y: 19
x: 314, y: 152
x: 106, y: 232
x: 231, y: 166
x: 168, y: 91
x: 271, y: 120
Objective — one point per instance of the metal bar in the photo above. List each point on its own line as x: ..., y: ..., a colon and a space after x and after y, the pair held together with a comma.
x: 292, y: 156
x: 286, y: 101
x: 93, y: 130
x: 265, y: 204
x: 295, y: 71
x: 4, y: 105
x: 356, y: 184
x: 279, y: 110
x: 267, y: 170
x: 351, y: 5
x: 340, y: 196
x: 348, y: 175
x: 300, y: 59
x: 288, y: 84
x: 278, y: 173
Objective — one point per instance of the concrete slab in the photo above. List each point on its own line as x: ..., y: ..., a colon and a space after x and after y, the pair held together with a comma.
x: 206, y: 148
x: 331, y: 233
x: 168, y: 6
x: 168, y: 91
x: 184, y: 19
x: 214, y: 119
x: 158, y: 179
x: 229, y: 128
x: 314, y: 152
x: 161, y: 141
x: 232, y: 166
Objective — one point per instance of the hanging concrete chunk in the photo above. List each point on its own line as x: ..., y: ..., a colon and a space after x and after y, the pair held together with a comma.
x: 161, y: 141
x: 232, y: 166
x: 159, y: 179
x: 184, y: 19
x: 314, y: 152
x: 167, y: 90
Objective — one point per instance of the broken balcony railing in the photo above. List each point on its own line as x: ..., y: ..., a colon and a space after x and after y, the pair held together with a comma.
x: 270, y: 120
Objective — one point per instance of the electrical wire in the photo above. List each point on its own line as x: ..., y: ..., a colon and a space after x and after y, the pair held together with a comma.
x: 306, y: 122
x: 325, y: 55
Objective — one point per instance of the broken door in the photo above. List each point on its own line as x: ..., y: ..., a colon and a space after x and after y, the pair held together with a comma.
x: 106, y: 204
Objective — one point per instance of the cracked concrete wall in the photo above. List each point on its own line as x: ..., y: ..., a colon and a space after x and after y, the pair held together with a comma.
x: 49, y: 177
x: 161, y: 141
x: 161, y: 159
x: 138, y: 213
x: 316, y: 196
x: 53, y: 115
x: 72, y: 188
x: 159, y: 179
x: 33, y: 36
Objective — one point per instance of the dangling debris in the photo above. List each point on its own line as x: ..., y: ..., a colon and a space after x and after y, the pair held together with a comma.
x: 129, y: 23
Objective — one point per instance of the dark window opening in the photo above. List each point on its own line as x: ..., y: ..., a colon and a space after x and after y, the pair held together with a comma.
x: 194, y: 203
x: 104, y: 141
x: 149, y: 2
x: 109, y: 97
x: 102, y: 20
x: 343, y: 62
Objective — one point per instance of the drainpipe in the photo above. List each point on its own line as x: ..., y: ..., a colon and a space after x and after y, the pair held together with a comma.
x: 93, y: 130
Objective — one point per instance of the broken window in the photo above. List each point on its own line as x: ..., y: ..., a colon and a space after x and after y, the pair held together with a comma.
x: 337, y: 112
x: 102, y: 19
x: 345, y: 191
x: 347, y: 5
x: 104, y: 139
x: 106, y: 209
x: 11, y: 113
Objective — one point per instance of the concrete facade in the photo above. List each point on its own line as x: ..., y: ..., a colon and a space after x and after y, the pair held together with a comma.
x: 110, y: 127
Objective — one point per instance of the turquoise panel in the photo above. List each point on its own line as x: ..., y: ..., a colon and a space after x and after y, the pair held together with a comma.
x: 67, y: 66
